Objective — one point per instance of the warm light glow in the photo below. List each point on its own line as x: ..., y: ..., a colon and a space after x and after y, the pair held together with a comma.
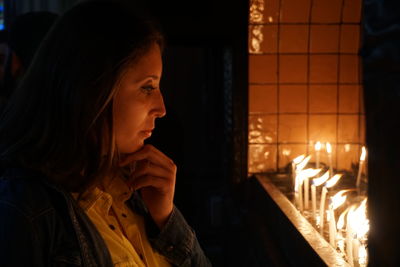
x: 363, y: 153
x: 320, y: 180
x: 299, y: 159
x: 328, y: 148
x: 302, y: 164
x: 331, y: 182
x: 304, y: 174
x: 318, y: 146
x: 362, y: 256
x: 286, y: 152
x: 338, y: 199
x: 340, y: 222
x: 358, y: 220
x: 307, y: 173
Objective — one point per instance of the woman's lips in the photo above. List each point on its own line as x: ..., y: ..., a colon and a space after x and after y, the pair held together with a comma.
x: 146, y: 133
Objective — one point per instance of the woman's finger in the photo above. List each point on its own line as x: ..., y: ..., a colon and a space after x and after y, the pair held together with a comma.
x: 152, y: 169
x: 150, y: 181
x: 150, y: 153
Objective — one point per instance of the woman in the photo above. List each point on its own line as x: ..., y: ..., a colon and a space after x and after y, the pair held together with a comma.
x: 79, y: 187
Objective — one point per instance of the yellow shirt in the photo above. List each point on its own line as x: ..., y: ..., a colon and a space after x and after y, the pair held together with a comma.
x: 122, y: 229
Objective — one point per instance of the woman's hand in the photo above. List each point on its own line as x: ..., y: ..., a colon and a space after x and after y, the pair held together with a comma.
x: 155, y: 176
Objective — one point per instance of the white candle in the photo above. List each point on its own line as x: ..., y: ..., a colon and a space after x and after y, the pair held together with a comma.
x: 314, y: 200
x: 362, y: 256
x: 360, y: 167
x: 340, y: 234
x: 305, y: 175
x: 349, y: 237
x: 306, y: 193
x: 356, y: 246
x: 329, y: 151
x: 331, y: 182
x: 295, y: 162
x: 317, y: 182
x: 298, y: 188
x: 322, y: 209
x: 300, y: 195
x: 332, y: 226
x: 336, y: 201
x: 317, y: 148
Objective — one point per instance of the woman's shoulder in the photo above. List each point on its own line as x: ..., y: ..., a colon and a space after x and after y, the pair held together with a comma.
x: 24, y: 191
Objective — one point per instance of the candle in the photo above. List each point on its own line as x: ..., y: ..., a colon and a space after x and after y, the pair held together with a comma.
x: 298, y: 194
x: 322, y: 209
x: 339, y: 227
x: 317, y: 182
x: 307, y: 174
x: 306, y: 192
x: 356, y: 246
x: 329, y: 151
x: 357, y: 229
x: 295, y: 162
x: 349, y: 236
x: 317, y: 148
x: 336, y: 201
x: 332, y: 227
x: 360, y: 167
x: 362, y: 256
x: 331, y: 182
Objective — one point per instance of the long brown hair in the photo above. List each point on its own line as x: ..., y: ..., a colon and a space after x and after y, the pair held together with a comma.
x: 59, y: 120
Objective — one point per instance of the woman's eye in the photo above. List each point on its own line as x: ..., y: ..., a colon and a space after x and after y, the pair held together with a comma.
x: 148, y: 89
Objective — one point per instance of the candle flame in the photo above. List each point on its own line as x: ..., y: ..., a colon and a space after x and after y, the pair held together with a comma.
x: 310, y: 172
x: 318, y: 146
x: 299, y: 159
x: 320, y: 180
x: 304, y: 174
x: 363, y: 153
x: 302, y: 164
x: 358, y: 221
x: 340, y: 222
x: 331, y: 182
x: 338, y: 199
x: 328, y: 148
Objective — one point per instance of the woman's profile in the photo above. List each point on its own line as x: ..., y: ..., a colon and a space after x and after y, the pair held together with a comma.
x: 79, y: 186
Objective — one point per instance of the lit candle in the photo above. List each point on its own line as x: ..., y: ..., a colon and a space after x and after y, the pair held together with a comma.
x: 339, y: 227
x: 301, y: 176
x: 306, y: 193
x: 317, y: 182
x: 360, y: 167
x: 317, y: 148
x: 329, y: 151
x: 307, y: 174
x: 331, y: 182
x: 336, y: 201
x: 362, y: 256
x: 296, y: 161
x: 349, y: 236
x: 356, y: 247
x: 332, y: 227
x: 298, y: 194
x: 358, y: 227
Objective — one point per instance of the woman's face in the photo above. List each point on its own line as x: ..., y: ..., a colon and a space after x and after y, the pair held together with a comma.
x: 138, y: 102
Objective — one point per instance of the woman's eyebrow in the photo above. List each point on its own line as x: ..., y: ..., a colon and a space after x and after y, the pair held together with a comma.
x: 155, y: 77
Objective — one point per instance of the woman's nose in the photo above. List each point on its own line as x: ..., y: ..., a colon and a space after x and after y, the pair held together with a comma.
x: 159, y: 110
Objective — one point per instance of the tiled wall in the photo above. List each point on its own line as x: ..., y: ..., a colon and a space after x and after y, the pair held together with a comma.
x: 304, y: 81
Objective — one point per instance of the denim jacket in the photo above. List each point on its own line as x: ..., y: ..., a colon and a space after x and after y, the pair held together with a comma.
x: 42, y: 225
